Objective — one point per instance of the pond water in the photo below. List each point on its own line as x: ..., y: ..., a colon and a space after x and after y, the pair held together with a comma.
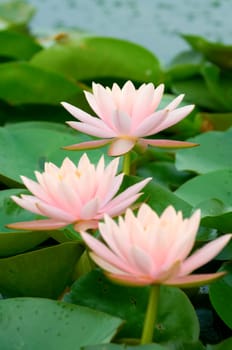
x: 155, y: 24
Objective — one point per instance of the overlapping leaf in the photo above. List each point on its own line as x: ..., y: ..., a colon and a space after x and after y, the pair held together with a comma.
x: 97, y: 57
x: 39, y: 324
x: 175, y: 310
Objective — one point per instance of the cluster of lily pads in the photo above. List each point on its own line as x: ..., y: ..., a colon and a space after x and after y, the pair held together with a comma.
x: 39, y: 267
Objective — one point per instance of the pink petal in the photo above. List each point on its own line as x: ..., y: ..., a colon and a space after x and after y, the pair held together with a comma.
x: 130, y: 280
x: 158, y: 94
x: 99, y: 249
x: 172, y: 105
x: 149, y: 124
x: 34, y: 188
x: 193, y: 280
x: 142, y: 260
x: 105, y: 102
x: 204, y: 254
x: 121, y: 122
x: 88, y: 145
x: 105, y: 265
x: 92, y: 102
x: 39, y: 225
x: 55, y: 213
x: 28, y: 202
x: 92, y: 130
x: 121, y: 146
x: 168, y: 143
x: 81, y: 115
x: 175, y: 117
x: 110, y: 191
x: 126, y: 100
x: 125, y: 199
x: 90, y: 209
x: 143, y: 101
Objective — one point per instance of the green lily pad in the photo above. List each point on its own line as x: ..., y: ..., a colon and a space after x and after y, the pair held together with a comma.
x: 185, y: 65
x: 158, y: 197
x: 154, y: 346
x: 217, y: 53
x: 25, y: 147
x: 18, y: 46
x: 42, y: 273
x: 214, y: 153
x: 129, y: 303
x: 197, y: 92
x: 12, y: 242
x: 212, y: 193
x: 164, y: 173
x: 39, y: 324
x: 224, y: 345
x: 89, y: 57
x: 219, y: 85
x: 22, y: 83
x: 220, y: 292
x: 111, y: 346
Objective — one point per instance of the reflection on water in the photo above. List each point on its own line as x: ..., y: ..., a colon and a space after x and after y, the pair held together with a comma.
x: 153, y: 23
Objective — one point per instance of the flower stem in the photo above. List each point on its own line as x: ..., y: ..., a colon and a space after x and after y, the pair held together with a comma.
x: 151, y: 315
x: 126, y: 163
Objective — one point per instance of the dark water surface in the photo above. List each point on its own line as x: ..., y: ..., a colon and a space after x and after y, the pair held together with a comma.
x: 155, y: 24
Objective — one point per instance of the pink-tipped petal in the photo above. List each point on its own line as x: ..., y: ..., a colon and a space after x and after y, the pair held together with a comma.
x: 168, y: 143
x: 104, y: 253
x: 90, y: 209
x: 149, y: 124
x: 175, y: 117
x: 126, y: 197
x: 121, y: 122
x: 194, y: 280
x: 204, y: 254
x: 130, y: 280
x: 121, y: 146
x: 175, y: 103
x: 92, y: 130
x: 88, y: 145
x: 81, y: 115
x: 40, y: 225
x: 55, y: 213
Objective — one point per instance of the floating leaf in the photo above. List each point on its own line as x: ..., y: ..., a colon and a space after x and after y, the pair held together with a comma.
x: 212, y: 192
x: 25, y: 147
x: 214, y: 153
x: 219, y: 85
x: 158, y: 197
x: 217, y: 53
x: 197, y: 92
x: 16, y: 242
x: 39, y: 324
x: 126, y: 347
x: 23, y: 83
x: 224, y: 345
x: 128, y: 303
x: 220, y: 292
x: 16, y: 45
x: 43, y: 273
x: 185, y: 65
x: 97, y: 57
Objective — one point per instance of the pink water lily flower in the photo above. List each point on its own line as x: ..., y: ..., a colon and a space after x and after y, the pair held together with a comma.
x: 126, y: 116
x: 148, y: 249
x: 78, y: 195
